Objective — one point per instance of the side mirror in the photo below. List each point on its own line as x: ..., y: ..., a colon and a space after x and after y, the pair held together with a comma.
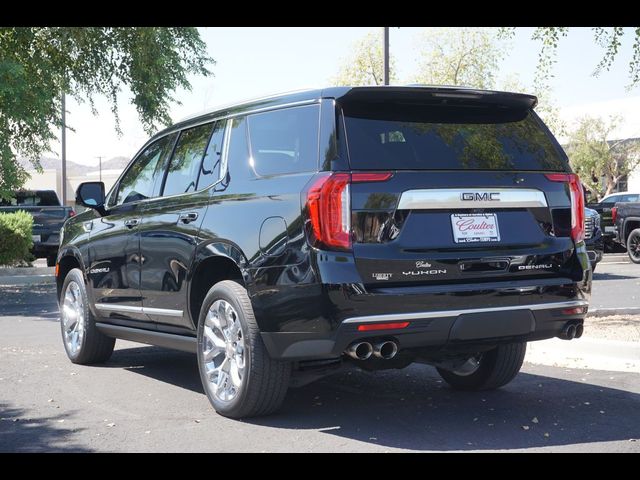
x: 91, y: 195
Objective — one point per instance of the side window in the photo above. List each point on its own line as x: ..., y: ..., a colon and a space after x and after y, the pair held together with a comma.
x: 285, y: 141
x: 611, y: 201
x: 629, y: 198
x: 238, y: 147
x: 210, y: 170
x: 182, y: 175
x: 148, y: 168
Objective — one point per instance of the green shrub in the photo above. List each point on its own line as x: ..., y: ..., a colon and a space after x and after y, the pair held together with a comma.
x: 15, y: 237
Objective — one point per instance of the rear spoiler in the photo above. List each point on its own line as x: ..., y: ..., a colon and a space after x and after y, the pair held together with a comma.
x: 432, y: 94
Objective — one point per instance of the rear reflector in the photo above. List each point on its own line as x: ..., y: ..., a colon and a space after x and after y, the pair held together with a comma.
x: 574, y: 311
x: 577, y: 202
x: 370, y: 177
x: 382, y: 326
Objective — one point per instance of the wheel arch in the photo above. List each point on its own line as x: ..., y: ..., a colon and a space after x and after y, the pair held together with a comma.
x: 214, y: 262
x: 68, y: 259
x: 630, y: 224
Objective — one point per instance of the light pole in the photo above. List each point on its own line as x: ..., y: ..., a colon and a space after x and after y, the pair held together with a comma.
x: 64, y: 152
x: 100, y: 166
x: 386, y: 55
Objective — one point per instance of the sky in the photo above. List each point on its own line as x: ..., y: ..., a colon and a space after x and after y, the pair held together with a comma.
x: 251, y: 62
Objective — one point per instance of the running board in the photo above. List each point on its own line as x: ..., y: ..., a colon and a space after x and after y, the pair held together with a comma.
x: 160, y: 339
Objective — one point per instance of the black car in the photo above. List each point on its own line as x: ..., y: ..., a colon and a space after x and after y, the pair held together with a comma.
x: 626, y: 217
x: 280, y: 238
x: 604, y: 208
x: 48, y: 217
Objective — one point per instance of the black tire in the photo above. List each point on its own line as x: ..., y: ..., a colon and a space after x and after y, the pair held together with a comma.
x: 51, y: 261
x: 265, y: 381
x: 497, y: 368
x: 633, y: 245
x: 94, y: 347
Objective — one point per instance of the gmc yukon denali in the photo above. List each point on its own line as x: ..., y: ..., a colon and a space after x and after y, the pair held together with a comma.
x: 281, y: 238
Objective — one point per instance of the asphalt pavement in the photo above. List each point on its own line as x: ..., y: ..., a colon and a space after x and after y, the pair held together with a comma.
x: 150, y: 399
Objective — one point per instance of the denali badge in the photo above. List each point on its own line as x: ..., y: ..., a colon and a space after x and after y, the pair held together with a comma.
x: 413, y: 273
x: 422, y: 264
x: 381, y: 276
x: 480, y: 197
x: 535, y: 267
x: 99, y: 270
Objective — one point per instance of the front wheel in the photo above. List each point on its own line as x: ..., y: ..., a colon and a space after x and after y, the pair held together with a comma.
x: 238, y: 375
x: 495, y: 369
x: 633, y: 245
x: 84, y: 343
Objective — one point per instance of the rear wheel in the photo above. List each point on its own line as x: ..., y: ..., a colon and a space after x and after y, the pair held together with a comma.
x: 238, y: 375
x: 633, y: 245
x: 84, y: 343
x: 495, y: 369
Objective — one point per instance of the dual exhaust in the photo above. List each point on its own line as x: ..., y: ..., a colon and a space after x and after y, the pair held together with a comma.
x: 571, y: 331
x: 386, y: 350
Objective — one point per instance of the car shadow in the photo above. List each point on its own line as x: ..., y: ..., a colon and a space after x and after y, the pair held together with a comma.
x: 611, y: 276
x: 19, y: 433
x: 414, y: 409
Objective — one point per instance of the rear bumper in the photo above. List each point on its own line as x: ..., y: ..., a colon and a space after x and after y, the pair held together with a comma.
x: 443, y: 331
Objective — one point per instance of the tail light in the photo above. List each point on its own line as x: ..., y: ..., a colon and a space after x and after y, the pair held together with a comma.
x: 329, y: 206
x: 72, y: 213
x: 577, y: 202
x: 614, y: 214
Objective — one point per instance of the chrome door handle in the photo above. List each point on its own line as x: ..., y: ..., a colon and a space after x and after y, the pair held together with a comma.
x: 187, y: 217
x: 132, y: 222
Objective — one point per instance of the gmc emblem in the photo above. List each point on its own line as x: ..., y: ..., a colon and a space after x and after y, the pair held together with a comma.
x: 480, y: 197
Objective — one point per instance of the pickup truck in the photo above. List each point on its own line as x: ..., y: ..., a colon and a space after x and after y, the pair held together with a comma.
x: 48, y: 217
x: 627, y: 221
x: 604, y: 209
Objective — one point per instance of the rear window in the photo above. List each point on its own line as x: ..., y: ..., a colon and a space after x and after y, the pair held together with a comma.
x: 433, y: 137
x: 33, y: 199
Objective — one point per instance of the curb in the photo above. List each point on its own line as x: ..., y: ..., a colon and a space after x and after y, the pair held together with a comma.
x: 25, y: 271
x: 26, y: 280
x: 586, y: 353
x: 607, y: 312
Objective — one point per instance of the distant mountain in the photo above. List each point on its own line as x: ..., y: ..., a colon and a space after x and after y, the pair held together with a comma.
x: 73, y: 168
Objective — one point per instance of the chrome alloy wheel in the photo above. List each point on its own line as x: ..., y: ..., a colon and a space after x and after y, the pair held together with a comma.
x: 73, y: 321
x: 469, y: 367
x: 223, y: 351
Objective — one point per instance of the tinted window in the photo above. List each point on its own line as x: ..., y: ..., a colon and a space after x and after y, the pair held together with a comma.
x: 285, y: 141
x: 629, y: 198
x: 147, y: 170
x: 186, y: 160
x: 238, y: 148
x: 43, y: 198
x: 210, y: 170
x: 612, y: 200
x: 432, y: 137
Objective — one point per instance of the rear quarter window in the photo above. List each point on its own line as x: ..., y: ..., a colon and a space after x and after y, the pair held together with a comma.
x: 284, y: 141
x: 429, y: 137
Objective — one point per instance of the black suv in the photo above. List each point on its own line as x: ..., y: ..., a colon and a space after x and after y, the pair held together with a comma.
x: 280, y: 238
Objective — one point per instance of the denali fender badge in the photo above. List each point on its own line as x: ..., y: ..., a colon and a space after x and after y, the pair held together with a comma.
x: 422, y: 264
x: 381, y: 276
x: 535, y: 267
x: 99, y: 270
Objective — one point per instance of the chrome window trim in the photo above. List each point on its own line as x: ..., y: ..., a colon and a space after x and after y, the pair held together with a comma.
x: 454, y: 313
x: 106, y: 307
x: 451, y: 198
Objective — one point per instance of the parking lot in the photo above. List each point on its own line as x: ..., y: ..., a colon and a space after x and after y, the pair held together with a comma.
x: 150, y: 399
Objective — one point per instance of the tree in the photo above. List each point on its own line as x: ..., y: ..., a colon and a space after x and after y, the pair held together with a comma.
x: 609, y: 38
x: 38, y: 64
x: 594, y: 156
x: 460, y: 56
x: 365, y: 66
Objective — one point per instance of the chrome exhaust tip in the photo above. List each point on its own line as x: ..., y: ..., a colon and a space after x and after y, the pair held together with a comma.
x: 385, y: 350
x: 568, y: 332
x: 579, y: 330
x: 360, y: 350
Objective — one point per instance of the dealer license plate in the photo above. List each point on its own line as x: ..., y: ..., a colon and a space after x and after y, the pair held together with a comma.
x: 475, y: 227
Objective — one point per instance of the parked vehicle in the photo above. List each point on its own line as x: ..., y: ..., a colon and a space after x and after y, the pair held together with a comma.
x: 280, y: 238
x: 593, y: 238
x: 627, y: 220
x: 604, y: 209
x: 48, y: 217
